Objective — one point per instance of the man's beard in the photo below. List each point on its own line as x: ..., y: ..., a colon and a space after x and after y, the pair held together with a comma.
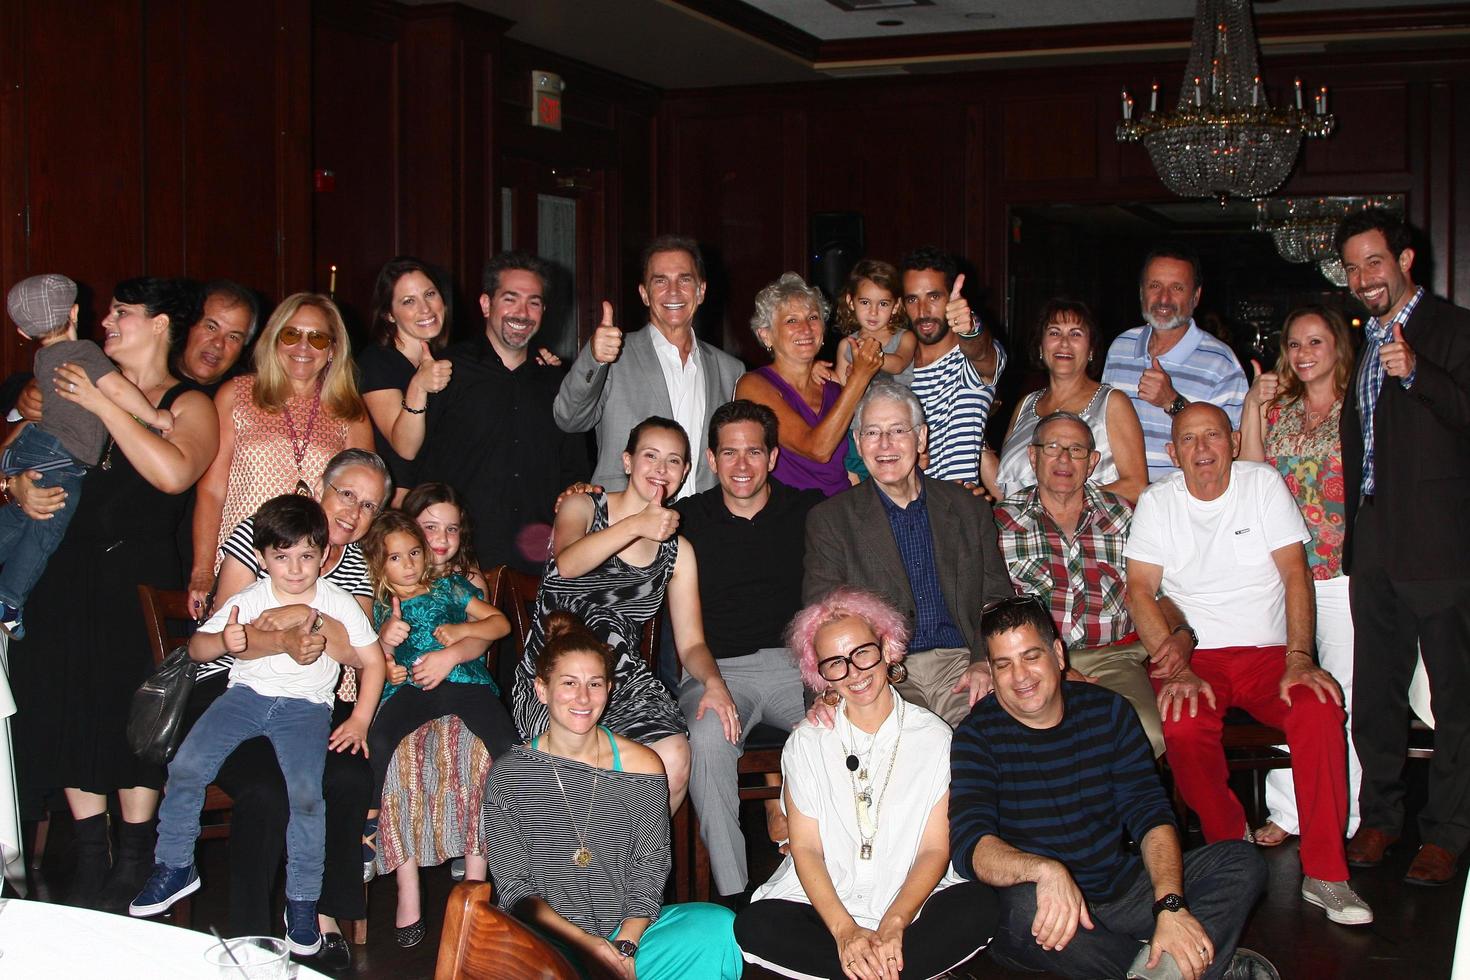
x: 1178, y: 319
x: 927, y: 339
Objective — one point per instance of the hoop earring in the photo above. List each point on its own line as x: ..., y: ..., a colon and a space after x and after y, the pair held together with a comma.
x: 831, y: 698
x: 897, y: 673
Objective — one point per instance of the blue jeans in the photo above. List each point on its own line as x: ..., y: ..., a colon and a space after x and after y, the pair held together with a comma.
x: 26, y: 545
x: 1222, y: 882
x: 298, y: 731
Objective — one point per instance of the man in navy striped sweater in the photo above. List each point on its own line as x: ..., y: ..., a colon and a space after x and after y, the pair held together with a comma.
x: 1049, y: 779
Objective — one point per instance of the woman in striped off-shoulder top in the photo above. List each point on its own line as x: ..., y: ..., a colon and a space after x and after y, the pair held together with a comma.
x: 577, y: 831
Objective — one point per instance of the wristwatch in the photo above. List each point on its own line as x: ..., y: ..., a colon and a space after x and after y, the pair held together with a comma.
x: 626, y: 948
x: 1172, y: 902
x: 1176, y: 406
x: 1186, y: 628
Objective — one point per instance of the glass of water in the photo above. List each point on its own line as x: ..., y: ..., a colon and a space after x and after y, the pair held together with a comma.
x: 249, y: 958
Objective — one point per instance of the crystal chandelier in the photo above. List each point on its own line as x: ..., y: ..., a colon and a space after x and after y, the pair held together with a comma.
x: 1223, y: 138
x: 1303, y: 227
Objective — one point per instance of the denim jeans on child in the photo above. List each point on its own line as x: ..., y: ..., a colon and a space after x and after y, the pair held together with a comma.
x: 298, y: 730
x: 26, y: 545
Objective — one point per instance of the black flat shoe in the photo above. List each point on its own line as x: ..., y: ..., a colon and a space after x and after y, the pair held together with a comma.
x: 410, y: 936
x: 335, y: 956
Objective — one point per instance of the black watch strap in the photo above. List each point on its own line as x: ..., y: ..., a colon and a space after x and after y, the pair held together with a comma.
x: 1186, y: 628
x: 1172, y: 902
x: 625, y: 947
x: 1176, y: 406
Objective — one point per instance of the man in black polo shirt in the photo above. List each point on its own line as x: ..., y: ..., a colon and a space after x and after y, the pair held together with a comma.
x: 490, y: 433
x: 749, y: 537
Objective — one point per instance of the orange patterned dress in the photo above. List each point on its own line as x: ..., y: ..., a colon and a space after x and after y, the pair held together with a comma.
x: 265, y: 465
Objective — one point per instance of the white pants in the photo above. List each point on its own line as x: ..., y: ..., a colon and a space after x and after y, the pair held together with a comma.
x: 1335, y: 654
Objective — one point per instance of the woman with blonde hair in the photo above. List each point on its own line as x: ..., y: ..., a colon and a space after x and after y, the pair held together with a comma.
x: 279, y: 426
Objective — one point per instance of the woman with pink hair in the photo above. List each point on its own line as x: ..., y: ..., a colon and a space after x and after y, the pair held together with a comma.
x: 866, y: 890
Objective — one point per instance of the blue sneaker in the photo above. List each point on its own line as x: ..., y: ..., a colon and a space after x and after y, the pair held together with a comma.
x: 10, y: 621
x: 164, y: 887
x: 303, y: 935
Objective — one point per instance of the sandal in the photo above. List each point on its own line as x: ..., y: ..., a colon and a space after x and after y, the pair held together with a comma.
x: 370, y: 850
x: 410, y: 936
x: 1271, y: 835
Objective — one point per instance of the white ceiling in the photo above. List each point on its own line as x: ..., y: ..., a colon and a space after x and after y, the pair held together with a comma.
x: 829, y: 22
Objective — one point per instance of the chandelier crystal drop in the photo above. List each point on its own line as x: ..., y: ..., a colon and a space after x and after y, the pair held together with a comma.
x: 1303, y: 227
x: 1223, y: 138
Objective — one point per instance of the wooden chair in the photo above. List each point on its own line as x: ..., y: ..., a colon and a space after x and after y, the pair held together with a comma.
x: 169, y: 622
x: 1249, y: 746
x: 480, y: 942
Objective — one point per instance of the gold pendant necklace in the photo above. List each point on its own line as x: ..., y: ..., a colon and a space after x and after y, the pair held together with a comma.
x: 582, y: 856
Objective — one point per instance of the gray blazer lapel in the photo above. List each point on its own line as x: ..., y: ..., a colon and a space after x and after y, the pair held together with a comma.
x: 873, y: 528
x: 644, y: 363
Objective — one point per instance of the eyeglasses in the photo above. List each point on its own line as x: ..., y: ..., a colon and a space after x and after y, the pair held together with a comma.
x: 872, y: 433
x: 1015, y: 602
x: 291, y: 336
x: 353, y: 500
x: 1052, y: 450
x: 865, y: 657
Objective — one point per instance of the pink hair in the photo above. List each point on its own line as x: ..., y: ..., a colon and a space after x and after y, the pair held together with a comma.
x: 891, y: 630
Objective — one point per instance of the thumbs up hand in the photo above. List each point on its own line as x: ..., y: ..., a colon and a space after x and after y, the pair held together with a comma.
x: 656, y: 521
x: 957, y: 311
x: 234, y: 632
x: 394, y: 630
x: 1156, y: 387
x: 607, y: 339
x: 1397, y: 356
x: 431, y: 375
x: 1265, y: 387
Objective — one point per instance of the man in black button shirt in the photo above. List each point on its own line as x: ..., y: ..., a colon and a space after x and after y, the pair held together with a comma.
x: 490, y: 434
x: 749, y: 536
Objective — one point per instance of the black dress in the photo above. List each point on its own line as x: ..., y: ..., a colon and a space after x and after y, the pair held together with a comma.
x: 384, y: 368
x: 86, y: 650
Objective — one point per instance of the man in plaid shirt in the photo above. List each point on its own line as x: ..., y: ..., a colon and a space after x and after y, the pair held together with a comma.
x: 1063, y: 541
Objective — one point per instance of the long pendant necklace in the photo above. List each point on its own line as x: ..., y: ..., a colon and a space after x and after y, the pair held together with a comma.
x: 858, y: 761
x: 582, y: 856
x: 866, y: 810
x: 299, y: 446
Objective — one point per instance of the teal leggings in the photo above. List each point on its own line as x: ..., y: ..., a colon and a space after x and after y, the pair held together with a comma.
x: 694, y: 941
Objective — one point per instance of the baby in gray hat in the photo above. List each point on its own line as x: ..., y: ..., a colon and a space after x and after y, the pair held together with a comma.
x: 65, y: 443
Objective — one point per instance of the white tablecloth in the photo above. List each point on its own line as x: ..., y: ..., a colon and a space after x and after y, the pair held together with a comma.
x: 59, y: 942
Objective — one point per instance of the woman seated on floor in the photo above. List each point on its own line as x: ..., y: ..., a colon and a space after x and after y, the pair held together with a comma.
x: 867, y: 890
x: 577, y: 831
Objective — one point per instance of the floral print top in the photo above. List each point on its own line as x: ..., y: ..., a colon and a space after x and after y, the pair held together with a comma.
x: 1311, y: 464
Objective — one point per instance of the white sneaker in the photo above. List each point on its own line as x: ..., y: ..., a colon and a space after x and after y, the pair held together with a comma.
x: 1338, y: 900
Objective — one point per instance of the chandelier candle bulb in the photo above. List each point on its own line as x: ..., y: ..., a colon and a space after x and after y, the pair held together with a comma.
x: 1322, y: 102
x: 1153, y: 98
x: 1298, y: 84
x: 1256, y: 92
x: 1198, y: 97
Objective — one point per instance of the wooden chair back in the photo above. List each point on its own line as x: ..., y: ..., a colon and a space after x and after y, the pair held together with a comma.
x: 480, y: 942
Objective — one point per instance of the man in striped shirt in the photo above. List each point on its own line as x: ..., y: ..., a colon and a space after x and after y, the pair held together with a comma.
x: 1049, y: 778
x: 1169, y: 361
x: 957, y: 363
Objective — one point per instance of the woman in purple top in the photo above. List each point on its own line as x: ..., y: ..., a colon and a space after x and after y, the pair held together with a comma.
x: 814, y: 413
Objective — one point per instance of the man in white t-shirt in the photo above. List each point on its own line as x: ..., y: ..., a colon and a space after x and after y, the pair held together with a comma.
x: 1223, y: 539
x: 285, y: 697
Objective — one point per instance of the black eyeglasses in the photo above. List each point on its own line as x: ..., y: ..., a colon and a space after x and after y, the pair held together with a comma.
x: 865, y: 657
x: 1015, y: 602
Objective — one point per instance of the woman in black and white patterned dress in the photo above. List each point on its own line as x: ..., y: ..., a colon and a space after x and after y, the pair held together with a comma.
x: 614, y: 556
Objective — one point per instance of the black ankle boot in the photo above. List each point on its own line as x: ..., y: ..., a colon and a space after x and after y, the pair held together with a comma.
x: 93, y: 850
x: 131, y: 869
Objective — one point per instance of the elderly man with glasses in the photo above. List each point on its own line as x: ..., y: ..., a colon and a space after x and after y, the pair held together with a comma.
x: 1063, y: 540
x: 926, y: 545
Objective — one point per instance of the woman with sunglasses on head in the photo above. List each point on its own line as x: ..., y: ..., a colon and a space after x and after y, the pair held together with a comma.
x: 1067, y: 345
x: 279, y: 426
x: 866, y: 892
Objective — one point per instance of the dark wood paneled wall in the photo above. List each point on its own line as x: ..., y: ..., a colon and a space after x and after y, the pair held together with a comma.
x: 943, y: 159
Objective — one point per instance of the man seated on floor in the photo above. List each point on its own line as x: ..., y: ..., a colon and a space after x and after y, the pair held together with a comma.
x: 1062, y: 541
x: 1223, y: 539
x: 749, y: 535
x: 1049, y: 778
x: 926, y: 545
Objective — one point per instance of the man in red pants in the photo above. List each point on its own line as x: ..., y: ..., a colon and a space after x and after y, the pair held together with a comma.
x: 1223, y: 539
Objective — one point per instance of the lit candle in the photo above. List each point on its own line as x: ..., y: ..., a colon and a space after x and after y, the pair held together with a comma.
x: 1127, y: 107
x: 1153, y: 97
x: 1323, y: 98
x: 1126, y: 100
x: 1256, y: 92
x: 1198, y: 97
x: 332, y: 283
x: 1298, y: 84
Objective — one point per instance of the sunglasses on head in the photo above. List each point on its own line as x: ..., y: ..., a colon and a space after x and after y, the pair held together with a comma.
x: 291, y: 336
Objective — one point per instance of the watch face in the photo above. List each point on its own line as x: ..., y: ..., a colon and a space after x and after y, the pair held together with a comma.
x: 626, y: 947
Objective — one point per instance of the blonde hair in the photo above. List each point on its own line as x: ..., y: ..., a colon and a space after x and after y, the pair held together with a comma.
x: 339, y: 381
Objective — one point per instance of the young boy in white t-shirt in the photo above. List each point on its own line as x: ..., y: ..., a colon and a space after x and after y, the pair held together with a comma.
x: 286, y: 699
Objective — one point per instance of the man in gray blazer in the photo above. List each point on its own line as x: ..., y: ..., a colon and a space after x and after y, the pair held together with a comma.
x: 662, y: 369
x: 929, y: 546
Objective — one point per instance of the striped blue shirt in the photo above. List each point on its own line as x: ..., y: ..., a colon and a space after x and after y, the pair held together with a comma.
x: 1371, y: 375
x: 1201, y: 368
x: 1073, y: 793
x: 956, y: 404
x: 934, y: 627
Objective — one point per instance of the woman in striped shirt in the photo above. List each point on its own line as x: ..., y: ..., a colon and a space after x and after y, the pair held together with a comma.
x: 577, y: 831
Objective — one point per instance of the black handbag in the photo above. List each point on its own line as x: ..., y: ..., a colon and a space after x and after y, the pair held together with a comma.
x: 157, y: 714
